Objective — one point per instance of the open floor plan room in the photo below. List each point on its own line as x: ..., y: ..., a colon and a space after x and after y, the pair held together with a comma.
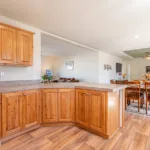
x: 74, y: 75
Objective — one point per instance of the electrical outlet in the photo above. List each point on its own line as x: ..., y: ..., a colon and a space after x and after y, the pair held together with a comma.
x: 2, y: 74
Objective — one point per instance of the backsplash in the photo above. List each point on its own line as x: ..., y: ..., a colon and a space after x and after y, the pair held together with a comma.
x: 19, y: 82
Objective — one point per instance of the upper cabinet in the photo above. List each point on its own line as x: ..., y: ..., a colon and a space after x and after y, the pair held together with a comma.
x: 16, y: 46
x: 7, y: 44
x: 24, y: 48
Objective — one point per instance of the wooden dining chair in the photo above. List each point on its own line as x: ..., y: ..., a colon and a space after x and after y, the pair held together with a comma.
x: 133, y: 92
x: 147, y: 88
x: 113, y: 81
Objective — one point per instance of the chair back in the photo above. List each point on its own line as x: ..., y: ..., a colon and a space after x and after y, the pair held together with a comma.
x: 134, y: 87
x: 147, y: 88
x: 113, y: 81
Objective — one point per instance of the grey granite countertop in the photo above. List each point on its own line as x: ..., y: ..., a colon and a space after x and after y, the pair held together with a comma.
x: 81, y: 85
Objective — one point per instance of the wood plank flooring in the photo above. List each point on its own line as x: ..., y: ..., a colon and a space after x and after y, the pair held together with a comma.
x: 134, y: 136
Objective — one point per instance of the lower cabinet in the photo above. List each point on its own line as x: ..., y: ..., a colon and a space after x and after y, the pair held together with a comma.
x: 66, y: 105
x: 20, y: 110
x: 90, y: 109
x: 82, y: 107
x: 31, y: 108
x: 50, y: 105
x: 58, y: 105
x: 12, y: 113
x: 0, y: 115
x: 97, y: 115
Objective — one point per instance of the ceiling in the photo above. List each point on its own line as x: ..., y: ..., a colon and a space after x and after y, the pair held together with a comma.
x: 111, y: 26
x: 138, y: 53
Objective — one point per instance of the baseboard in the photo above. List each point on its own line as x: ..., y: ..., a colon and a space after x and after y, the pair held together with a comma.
x: 58, y: 124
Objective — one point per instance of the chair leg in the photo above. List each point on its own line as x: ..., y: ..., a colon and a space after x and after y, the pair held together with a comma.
x: 147, y: 103
x: 142, y: 102
x: 139, y: 103
x: 128, y: 102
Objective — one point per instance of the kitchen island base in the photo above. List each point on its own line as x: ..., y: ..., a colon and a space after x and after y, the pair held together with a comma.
x: 100, y: 111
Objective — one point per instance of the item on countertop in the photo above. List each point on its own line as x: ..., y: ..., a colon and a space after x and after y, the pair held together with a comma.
x: 124, y: 75
x: 47, y: 77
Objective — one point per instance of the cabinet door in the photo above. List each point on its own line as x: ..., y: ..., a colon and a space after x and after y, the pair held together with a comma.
x: 24, y: 48
x: 97, y: 110
x: 7, y: 45
x: 0, y: 115
x: 50, y: 107
x: 11, y: 113
x: 66, y: 105
x: 82, y: 107
x: 31, y: 102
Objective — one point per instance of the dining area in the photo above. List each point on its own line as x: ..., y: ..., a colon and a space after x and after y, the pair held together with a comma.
x: 137, y: 96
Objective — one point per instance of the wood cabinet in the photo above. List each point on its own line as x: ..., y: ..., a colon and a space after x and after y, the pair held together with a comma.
x: 31, y: 108
x: 0, y: 116
x: 12, y: 110
x: 66, y: 105
x: 16, y: 46
x: 90, y: 109
x: 24, y: 47
x: 97, y: 110
x: 20, y: 110
x: 58, y: 105
x: 82, y: 107
x: 7, y: 44
x: 50, y: 105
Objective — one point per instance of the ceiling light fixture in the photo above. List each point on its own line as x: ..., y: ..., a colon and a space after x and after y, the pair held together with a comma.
x: 147, y: 55
x: 136, y: 37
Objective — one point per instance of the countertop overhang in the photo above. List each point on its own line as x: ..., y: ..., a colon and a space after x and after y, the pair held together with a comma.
x: 81, y: 85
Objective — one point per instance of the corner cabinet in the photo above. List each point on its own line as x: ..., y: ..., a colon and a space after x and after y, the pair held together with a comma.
x: 50, y: 108
x: 58, y: 105
x: 66, y: 105
x: 16, y: 46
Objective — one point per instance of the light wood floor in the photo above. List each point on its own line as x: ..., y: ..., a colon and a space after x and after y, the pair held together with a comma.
x: 134, y: 136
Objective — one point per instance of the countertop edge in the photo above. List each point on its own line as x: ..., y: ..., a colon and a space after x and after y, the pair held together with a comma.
x: 65, y: 86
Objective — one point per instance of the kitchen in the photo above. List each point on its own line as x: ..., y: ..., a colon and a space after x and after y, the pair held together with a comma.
x: 55, y: 92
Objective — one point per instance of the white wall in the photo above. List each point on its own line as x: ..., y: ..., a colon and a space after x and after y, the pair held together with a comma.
x: 137, y: 67
x: 104, y: 75
x: 88, y: 66
x: 85, y: 66
x: 24, y: 73
x: 46, y: 63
